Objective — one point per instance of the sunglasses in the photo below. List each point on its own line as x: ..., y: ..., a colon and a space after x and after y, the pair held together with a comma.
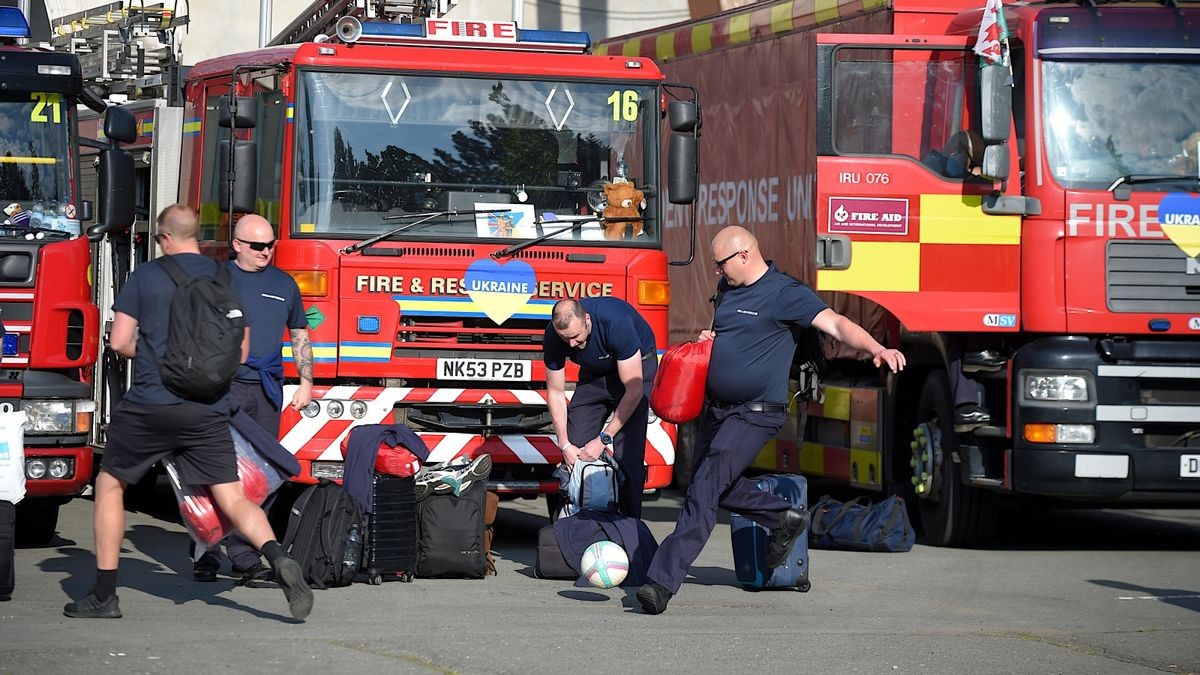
x: 721, y: 263
x: 259, y: 245
x: 159, y: 236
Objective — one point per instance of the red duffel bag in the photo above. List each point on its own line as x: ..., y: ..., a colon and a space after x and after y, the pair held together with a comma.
x: 678, y: 393
x: 397, y: 461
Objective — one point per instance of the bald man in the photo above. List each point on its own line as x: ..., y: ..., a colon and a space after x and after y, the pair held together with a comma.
x: 152, y: 422
x: 615, y: 350
x: 747, y: 392
x: 272, y: 302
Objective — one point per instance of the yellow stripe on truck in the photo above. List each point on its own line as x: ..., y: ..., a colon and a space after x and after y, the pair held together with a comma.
x: 958, y: 219
x: 877, y: 266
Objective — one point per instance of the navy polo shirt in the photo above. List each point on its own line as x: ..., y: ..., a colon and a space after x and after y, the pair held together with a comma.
x: 272, y: 302
x: 146, y: 296
x: 618, y: 332
x: 752, y: 353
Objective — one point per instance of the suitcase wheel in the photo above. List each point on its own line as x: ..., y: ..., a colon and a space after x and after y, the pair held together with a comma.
x: 374, y: 577
x: 406, y: 577
x: 804, y: 586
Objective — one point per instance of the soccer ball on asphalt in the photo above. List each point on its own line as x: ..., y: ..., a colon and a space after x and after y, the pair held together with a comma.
x: 604, y: 564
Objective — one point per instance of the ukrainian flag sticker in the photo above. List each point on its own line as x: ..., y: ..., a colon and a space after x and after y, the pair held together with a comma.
x: 500, y: 290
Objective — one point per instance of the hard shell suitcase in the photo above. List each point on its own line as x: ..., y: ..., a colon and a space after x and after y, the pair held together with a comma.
x: 752, y: 542
x: 550, y: 562
x: 390, y: 549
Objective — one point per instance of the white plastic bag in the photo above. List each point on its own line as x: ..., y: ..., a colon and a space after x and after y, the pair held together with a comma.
x: 12, y: 457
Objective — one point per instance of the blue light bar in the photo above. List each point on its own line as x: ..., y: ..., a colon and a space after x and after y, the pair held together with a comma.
x: 13, y: 23
x: 556, y: 37
x: 379, y: 30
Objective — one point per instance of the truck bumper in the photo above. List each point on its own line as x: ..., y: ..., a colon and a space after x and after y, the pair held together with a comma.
x: 80, y: 458
x: 1143, y: 406
x: 522, y: 462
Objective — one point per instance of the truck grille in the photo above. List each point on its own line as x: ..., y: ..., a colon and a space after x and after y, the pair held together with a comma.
x: 1151, y: 277
x: 425, y: 332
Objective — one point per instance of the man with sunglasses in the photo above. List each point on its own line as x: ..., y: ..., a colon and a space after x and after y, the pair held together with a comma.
x: 615, y: 350
x: 272, y: 302
x: 747, y: 392
x: 151, y: 423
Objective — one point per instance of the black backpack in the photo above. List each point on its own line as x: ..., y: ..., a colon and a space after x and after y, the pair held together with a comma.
x: 204, y: 337
x: 324, y: 535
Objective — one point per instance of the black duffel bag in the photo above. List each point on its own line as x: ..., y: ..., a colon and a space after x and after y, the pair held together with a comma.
x: 859, y: 525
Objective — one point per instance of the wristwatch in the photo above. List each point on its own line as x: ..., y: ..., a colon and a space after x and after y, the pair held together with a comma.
x: 605, y: 438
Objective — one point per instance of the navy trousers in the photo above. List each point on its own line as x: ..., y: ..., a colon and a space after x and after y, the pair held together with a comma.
x: 251, y: 399
x: 727, y: 444
x: 595, y: 398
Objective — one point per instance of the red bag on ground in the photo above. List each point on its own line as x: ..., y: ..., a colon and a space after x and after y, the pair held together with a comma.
x: 397, y: 461
x: 678, y: 393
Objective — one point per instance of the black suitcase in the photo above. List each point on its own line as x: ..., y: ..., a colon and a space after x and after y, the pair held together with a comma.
x: 451, y: 527
x: 390, y: 548
x: 8, y: 529
x: 550, y: 562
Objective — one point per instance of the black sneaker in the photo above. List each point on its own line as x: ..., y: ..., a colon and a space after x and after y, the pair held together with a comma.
x: 783, y: 538
x: 203, y: 574
x: 256, y: 576
x: 91, y: 608
x: 654, y: 598
x: 970, y: 417
x: 291, y: 580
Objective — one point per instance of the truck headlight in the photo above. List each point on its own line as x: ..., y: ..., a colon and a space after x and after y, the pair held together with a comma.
x: 1056, y: 388
x: 57, y: 417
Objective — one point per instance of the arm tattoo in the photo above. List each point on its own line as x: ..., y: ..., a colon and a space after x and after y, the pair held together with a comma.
x: 302, y: 353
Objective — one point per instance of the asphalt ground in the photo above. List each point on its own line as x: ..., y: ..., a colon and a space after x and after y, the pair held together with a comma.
x: 1061, y: 592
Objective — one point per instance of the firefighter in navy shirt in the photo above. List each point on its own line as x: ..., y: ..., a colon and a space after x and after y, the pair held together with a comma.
x: 747, y: 404
x: 615, y: 350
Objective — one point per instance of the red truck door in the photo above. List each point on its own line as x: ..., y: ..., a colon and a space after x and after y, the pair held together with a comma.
x: 900, y: 217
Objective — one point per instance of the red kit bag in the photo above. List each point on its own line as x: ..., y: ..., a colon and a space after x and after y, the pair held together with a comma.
x: 678, y: 393
x: 397, y: 461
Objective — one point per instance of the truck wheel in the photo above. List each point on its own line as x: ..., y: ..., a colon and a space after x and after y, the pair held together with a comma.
x: 953, y: 514
x: 37, y: 521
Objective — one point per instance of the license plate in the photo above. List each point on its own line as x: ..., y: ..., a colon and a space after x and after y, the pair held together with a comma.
x: 1189, y: 466
x: 491, y: 370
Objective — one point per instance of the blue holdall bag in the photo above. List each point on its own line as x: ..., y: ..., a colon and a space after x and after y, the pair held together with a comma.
x: 859, y: 525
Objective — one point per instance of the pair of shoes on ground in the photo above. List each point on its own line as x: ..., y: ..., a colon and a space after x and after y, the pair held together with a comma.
x: 287, y: 572
x: 970, y: 416
x: 454, y: 477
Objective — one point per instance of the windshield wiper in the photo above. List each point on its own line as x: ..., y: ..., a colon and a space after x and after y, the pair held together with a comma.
x: 509, y: 250
x: 1134, y: 179
x: 423, y: 218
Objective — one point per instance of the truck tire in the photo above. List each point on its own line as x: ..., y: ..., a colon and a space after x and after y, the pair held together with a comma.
x: 37, y: 521
x: 961, y: 516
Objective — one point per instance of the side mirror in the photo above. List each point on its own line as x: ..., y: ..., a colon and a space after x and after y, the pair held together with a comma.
x: 995, y: 164
x: 683, y: 161
x: 244, y: 115
x: 684, y: 116
x: 995, y: 104
x: 116, y: 190
x: 245, y: 171
x: 119, y: 125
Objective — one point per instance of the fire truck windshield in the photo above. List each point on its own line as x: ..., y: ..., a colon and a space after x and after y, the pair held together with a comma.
x: 1105, y: 120
x: 371, y: 145
x: 35, y: 175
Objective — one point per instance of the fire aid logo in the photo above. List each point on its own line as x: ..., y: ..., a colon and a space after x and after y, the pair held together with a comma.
x: 868, y: 215
x: 1179, y: 219
x: 500, y: 290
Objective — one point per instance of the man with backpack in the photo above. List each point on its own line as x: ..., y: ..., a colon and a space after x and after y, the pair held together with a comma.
x: 179, y: 321
x: 747, y: 391
x: 272, y: 303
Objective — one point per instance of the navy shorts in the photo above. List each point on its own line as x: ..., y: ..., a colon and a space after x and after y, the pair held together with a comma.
x: 195, y: 435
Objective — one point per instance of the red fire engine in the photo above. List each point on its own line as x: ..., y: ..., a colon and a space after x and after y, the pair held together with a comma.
x: 50, y: 321
x: 436, y: 186
x: 1044, y: 269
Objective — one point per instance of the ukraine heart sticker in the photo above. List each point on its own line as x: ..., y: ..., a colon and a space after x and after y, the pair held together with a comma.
x: 1179, y: 218
x: 500, y: 290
